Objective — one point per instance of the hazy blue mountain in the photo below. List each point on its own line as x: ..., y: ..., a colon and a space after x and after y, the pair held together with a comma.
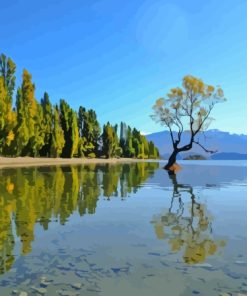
x: 228, y: 155
x: 227, y: 145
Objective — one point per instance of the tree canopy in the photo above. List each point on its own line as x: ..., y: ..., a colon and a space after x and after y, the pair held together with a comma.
x: 187, y: 108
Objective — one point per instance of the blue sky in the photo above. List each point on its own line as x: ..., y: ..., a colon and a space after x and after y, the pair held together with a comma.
x: 118, y: 57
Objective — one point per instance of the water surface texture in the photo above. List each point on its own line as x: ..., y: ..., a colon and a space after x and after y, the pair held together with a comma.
x: 126, y: 229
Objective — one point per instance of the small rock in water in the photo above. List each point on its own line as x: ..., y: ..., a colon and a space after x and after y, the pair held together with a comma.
x: 26, y: 282
x: 240, y: 262
x: 71, y: 264
x: 41, y: 291
x: 204, y: 265
x: 45, y: 282
x: 154, y: 253
x: 23, y: 294
x: 66, y: 293
x: 76, y: 286
x: 14, y: 292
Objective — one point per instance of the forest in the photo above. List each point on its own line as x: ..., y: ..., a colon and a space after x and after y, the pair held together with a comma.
x: 29, y: 127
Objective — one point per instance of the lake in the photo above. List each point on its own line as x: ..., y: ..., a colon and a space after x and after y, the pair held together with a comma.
x: 124, y: 229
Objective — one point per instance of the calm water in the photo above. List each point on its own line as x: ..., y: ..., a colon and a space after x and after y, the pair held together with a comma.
x: 124, y: 230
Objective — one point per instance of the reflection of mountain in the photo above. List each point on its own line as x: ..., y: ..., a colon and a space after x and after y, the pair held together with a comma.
x: 214, y: 139
x: 187, y: 231
x: 38, y: 195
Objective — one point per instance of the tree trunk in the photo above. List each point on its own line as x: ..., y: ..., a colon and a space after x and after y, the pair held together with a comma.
x: 171, y: 160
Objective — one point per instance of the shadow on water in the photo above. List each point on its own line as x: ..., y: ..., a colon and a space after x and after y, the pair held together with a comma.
x: 187, y: 226
x: 52, y: 194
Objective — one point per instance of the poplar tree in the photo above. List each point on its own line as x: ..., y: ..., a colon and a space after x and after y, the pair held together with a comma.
x: 47, y: 125
x: 110, y: 141
x: 129, y: 150
x: 30, y: 138
x: 89, y: 131
x: 69, y: 125
x: 57, y: 135
x: 123, y: 136
x: 7, y: 115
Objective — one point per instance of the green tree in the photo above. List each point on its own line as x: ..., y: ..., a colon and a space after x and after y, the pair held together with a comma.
x: 7, y: 71
x: 110, y: 141
x: 129, y: 150
x: 30, y: 137
x: 89, y: 131
x: 189, y: 106
x: 7, y: 115
x: 153, y: 153
x: 69, y: 125
x: 47, y: 125
x: 57, y: 136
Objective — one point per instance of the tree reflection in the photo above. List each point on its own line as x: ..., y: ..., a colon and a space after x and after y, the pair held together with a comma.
x: 41, y: 195
x: 188, y: 230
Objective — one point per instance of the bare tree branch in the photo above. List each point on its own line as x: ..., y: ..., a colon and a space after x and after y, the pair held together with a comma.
x: 206, y: 150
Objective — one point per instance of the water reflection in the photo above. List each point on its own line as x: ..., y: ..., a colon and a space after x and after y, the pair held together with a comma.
x: 187, y: 226
x: 45, y: 194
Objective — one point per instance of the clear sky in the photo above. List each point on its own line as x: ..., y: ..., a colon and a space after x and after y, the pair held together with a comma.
x: 118, y: 57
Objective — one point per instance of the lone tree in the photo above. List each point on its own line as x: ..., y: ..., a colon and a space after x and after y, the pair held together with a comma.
x: 187, y: 107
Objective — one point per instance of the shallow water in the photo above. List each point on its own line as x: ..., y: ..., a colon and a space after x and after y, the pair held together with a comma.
x: 124, y: 230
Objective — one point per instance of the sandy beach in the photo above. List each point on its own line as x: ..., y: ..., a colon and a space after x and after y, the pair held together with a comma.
x: 32, y: 161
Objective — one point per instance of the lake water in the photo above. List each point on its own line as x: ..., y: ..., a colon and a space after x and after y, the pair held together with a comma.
x: 124, y: 230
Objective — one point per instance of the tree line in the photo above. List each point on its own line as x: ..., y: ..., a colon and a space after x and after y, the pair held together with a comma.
x: 38, y: 128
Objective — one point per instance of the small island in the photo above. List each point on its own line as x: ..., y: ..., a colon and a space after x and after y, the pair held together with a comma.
x: 195, y: 157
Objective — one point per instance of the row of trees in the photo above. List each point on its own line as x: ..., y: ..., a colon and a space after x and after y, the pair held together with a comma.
x: 35, y: 128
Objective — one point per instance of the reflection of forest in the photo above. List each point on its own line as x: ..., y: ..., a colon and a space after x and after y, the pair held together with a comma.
x: 32, y: 195
x: 187, y: 229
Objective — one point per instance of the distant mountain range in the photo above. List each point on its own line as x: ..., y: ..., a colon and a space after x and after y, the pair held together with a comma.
x: 227, y: 145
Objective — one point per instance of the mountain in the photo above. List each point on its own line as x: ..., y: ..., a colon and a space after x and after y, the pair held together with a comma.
x: 229, y: 155
x: 227, y: 145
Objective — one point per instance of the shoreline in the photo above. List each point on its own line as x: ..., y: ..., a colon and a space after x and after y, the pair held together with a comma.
x: 8, y: 162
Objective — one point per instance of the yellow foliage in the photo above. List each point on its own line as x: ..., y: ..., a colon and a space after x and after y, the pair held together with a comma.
x: 176, y: 244
x: 159, y: 102
x: 194, y: 253
x: 10, y: 187
x: 159, y: 230
x: 203, y: 112
x: 193, y: 84
x: 212, y: 248
x: 9, y: 207
x: 10, y: 137
x: 210, y: 89
x: 220, y: 92
x: 175, y: 93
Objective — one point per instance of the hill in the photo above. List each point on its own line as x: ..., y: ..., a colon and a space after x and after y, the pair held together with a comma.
x: 227, y: 145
